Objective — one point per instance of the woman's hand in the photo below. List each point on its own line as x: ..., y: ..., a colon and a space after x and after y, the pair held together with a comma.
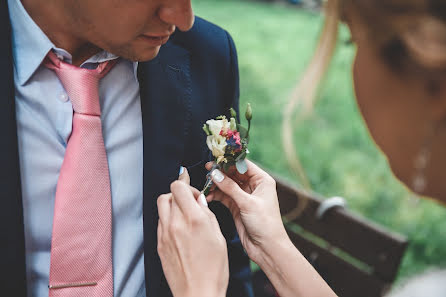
x: 192, y: 249
x: 252, y: 200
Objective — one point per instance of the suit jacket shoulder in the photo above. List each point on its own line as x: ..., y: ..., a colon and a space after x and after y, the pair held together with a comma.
x: 208, y: 39
x: 212, y: 53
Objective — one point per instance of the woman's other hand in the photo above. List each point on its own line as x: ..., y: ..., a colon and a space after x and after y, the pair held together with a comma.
x: 192, y: 249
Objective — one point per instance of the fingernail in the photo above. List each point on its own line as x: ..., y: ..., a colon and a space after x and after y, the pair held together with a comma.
x: 217, y: 176
x: 181, y: 170
x: 202, y: 200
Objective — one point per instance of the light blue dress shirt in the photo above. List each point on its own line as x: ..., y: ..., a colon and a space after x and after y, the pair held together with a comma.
x: 44, y: 119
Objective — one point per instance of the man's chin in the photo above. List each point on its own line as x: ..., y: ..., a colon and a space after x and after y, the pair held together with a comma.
x: 137, y: 51
x: 144, y: 56
x: 150, y: 55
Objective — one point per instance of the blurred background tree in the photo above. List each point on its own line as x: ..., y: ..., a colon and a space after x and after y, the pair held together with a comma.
x: 275, y: 41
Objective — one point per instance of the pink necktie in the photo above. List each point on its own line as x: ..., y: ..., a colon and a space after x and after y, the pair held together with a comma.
x: 81, y: 250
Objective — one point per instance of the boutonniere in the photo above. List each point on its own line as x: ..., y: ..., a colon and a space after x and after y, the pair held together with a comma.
x: 228, y: 141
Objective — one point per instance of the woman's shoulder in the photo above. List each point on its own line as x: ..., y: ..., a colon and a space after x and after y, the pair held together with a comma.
x: 431, y: 283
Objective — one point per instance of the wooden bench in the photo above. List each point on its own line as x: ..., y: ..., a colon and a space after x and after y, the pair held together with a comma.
x: 355, y: 257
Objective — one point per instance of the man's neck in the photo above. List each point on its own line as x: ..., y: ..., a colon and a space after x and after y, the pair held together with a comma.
x: 53, y: 22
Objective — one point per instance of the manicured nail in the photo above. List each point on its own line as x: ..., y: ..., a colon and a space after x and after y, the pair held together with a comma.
x: 202, y: 200
x: 181, y: 170
x: 217, y: 176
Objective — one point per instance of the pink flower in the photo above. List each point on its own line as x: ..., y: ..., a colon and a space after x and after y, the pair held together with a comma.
x: 230, y: 133
x: 237, y: 138
x: 233, y: 141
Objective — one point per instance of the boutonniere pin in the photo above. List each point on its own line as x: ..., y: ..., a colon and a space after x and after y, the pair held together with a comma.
x: 228, y: 141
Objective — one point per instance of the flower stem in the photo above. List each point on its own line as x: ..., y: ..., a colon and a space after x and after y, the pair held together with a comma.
x: 209, y: 183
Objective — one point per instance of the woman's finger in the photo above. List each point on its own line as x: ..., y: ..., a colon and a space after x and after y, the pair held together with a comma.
x: 184, y: 175
x: 230, y: 188
x: 159, y: 232
x: 164, y: 208
x: 228, y: 202
x: 202, y: 200
x: 212, y: 218
x: 232, y: 172
x: 253, y: 171
x: 184, y: 198
x: 194, y: 191
x: 217, y: 195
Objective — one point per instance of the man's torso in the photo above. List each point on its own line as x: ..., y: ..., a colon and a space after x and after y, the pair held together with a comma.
x: 44, y: 123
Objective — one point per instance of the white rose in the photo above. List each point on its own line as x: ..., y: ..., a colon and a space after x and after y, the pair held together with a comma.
x: 215, y: 126
x: 217, y: 144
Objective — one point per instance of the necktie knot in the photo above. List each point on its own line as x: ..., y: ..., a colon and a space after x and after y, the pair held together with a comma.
x: 81, y: 84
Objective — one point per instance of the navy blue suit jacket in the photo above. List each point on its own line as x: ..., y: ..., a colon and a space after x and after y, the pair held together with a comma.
x: 193, y: 78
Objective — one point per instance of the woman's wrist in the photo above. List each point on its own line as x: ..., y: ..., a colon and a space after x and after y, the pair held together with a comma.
x: 289, y: 271
x: 275, y: 251
x: 209, y: 291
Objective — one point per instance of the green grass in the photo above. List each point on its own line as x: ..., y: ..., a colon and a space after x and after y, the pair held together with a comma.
x: 274, y: 43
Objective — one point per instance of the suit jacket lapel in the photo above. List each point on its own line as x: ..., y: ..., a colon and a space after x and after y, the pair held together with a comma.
x: 12, y: 243
x: 165, y: 87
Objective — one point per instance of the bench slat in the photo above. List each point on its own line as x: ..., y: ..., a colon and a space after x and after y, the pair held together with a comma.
x: 367, y: 242
x: 345, y: 279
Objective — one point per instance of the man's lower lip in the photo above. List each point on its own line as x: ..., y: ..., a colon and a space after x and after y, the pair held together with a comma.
x: 155, y: 41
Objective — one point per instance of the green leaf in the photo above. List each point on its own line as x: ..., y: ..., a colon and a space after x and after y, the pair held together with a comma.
x: 233, y: 112
x: 241, y: 156
x: 243, y: 131
x: 206, y: 129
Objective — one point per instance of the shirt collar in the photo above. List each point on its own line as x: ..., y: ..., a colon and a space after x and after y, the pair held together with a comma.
x: 30, y: 45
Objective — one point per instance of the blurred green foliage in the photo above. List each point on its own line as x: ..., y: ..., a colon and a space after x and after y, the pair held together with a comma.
x: 274, y: 44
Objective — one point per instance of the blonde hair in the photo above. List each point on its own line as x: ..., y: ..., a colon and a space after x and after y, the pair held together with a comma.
x: 304, y: 94
x: 408, y: 33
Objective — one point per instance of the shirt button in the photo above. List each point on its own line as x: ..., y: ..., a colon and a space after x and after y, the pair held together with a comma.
x: 63, y: 97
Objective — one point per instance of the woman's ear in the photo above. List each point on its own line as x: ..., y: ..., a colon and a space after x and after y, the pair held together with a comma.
x: 436, y: 92
x: 351, y: 18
